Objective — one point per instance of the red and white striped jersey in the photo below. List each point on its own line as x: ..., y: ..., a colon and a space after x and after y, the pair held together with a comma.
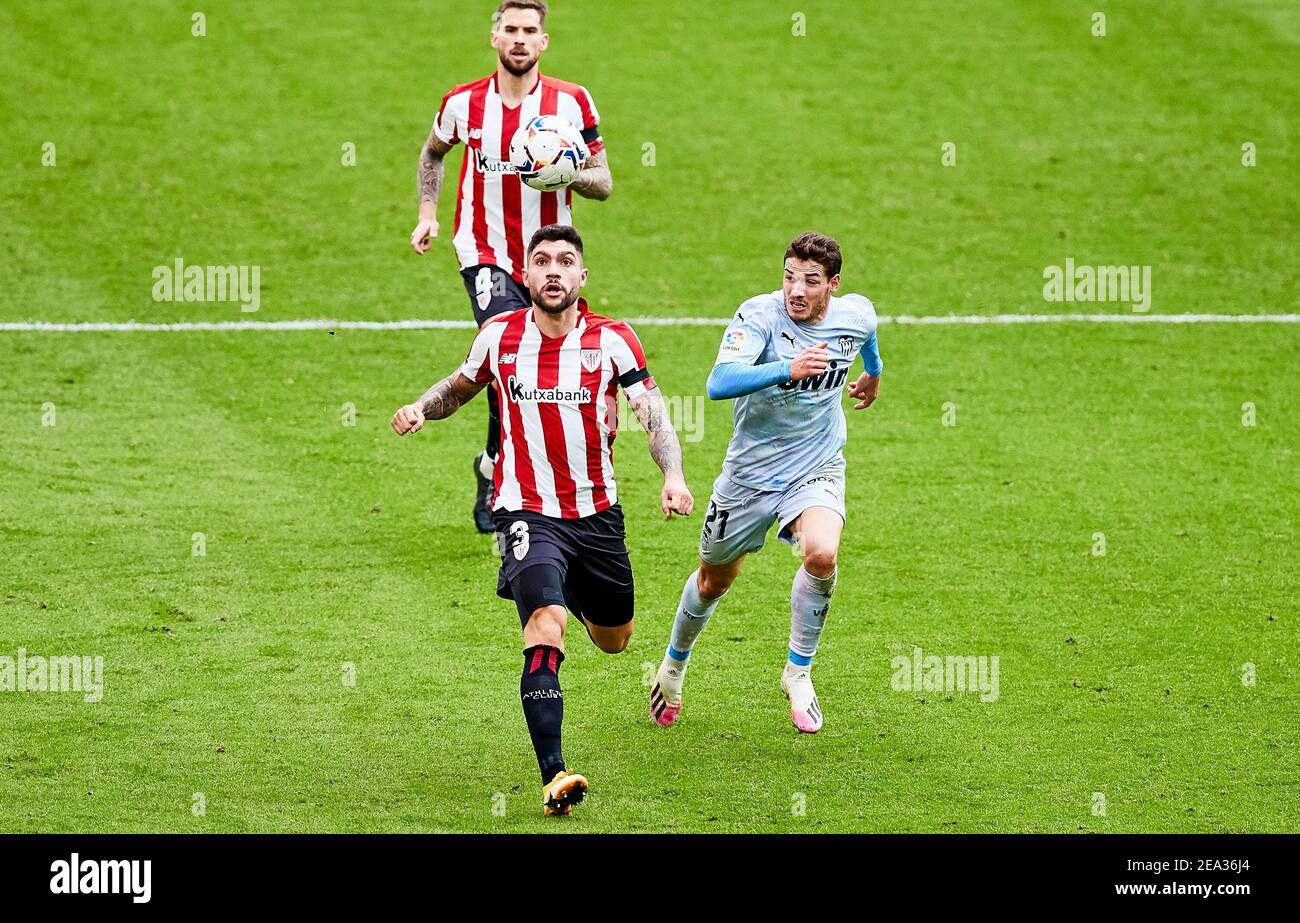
x: 559, y: 408
x: 496, y: 214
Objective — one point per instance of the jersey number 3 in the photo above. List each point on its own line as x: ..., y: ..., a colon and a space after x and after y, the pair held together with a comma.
x: 515, y: 539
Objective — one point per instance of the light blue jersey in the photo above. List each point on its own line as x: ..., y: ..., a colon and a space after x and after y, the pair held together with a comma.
x: 790, y: 428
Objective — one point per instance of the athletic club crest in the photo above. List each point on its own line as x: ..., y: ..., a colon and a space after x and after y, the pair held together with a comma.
x: 591, y: 359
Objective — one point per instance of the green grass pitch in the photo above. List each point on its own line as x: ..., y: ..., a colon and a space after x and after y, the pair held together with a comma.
x: 1152, y: 688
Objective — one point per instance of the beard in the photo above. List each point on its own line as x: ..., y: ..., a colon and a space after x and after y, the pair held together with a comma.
x: 565, y: 301
x: 518, y: 70
x: 815, y: 311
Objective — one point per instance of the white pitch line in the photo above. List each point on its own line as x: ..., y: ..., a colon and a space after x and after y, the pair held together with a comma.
x: 904, y: 319
x: 949, y: 319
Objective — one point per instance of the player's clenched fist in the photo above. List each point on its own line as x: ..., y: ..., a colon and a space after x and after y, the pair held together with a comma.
x: 421, y: 237
x: 676, y: 498
x: 408, y: 419
x: 812, y: 361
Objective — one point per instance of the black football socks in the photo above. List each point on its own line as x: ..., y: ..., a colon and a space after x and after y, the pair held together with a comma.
x: 539, y: 693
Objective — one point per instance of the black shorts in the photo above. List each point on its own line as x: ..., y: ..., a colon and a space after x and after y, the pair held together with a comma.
x: 581, y: 564
x: 493, y: 291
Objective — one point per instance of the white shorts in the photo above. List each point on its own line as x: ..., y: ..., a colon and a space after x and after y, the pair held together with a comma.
x: 738, y: 517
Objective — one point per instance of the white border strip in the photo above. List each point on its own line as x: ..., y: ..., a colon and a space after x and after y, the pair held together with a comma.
x: 909, y: 320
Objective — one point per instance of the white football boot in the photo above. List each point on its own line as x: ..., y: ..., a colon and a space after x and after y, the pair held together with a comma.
x: 805, y: 710
x: 666, y: 693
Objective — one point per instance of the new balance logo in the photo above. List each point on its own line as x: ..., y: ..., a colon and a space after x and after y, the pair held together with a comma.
x: 520, y: 392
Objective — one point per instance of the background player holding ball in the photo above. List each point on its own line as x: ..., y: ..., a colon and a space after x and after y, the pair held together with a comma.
x: 496, y: 212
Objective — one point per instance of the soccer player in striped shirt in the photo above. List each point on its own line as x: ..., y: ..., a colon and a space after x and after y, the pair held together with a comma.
x: 556, y: 507
x: 496, y: 213
x: 784, y: 358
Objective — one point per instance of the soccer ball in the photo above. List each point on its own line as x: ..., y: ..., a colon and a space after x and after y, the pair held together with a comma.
x: 548, y: 152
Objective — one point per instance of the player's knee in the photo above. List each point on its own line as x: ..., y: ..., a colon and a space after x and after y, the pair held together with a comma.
x: 614, y: 643
x: 712, y: 585
x: 546, y: 626
x: 819, y: 561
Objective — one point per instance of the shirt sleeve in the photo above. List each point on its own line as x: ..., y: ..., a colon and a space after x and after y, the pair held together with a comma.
x: 870, y: 351
x: 732, y: 379
x: 444, y: 125
x: 590, y: 122
x: 628, y: 359
x: 744, y: 341
x: 870, y: 354
x: 478, y: 364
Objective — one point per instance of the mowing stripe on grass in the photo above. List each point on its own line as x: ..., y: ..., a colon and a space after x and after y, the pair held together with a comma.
x: 906, y: 319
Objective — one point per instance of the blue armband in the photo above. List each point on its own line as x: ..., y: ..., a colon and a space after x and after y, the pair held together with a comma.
x: 732, y: 379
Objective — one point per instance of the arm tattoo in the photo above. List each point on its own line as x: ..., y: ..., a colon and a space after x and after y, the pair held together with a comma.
x: 652, y: 413
x: 431, y: 169
x: 430, y: 177
x: 446, y: 397
x: 440, y: 401
x: 595, y: 182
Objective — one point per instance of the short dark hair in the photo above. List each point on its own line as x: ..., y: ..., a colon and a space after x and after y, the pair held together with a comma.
x: 820, y: 249
x: 563, y: 232
x: 537, y: 5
